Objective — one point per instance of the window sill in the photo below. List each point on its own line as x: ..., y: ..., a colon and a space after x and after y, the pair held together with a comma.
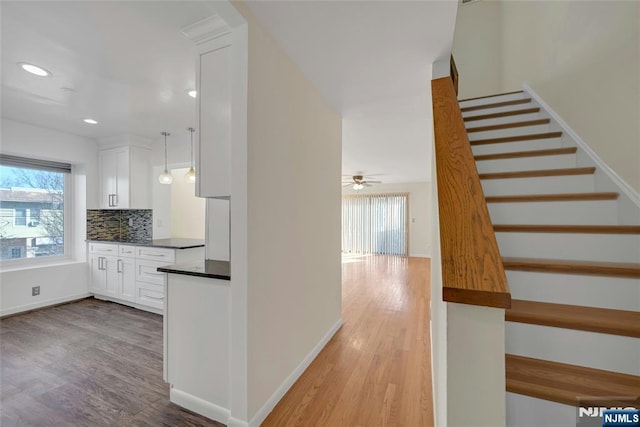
x: 33, y: 266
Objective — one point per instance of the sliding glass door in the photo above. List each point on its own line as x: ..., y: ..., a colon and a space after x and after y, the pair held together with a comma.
x: 375, y: 224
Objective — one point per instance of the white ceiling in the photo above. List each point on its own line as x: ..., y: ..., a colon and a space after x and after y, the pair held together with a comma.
x: 129, y: 66
x: 127, y: 63
x: 372, y: 59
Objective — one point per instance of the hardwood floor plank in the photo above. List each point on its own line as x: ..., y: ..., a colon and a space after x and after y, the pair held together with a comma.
x: 88, y: 363
x: 376, y: 368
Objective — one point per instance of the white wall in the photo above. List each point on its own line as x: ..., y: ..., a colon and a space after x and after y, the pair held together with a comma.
x: 582, y: 58
x: 293, y: 225
x: 477, y: 48
x: 420, y: 224
x: 64, y: 282
x: 187, y: 210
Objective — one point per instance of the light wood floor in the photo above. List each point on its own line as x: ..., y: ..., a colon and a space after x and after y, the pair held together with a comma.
x: 376, y: 371
x: 89, y: 363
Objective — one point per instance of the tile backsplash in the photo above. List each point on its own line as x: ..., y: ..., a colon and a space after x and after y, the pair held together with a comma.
x: 109, y: 224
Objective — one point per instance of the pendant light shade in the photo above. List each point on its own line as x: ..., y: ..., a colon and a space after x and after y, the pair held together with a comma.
x: 165, y: 177
x: 190, y: 177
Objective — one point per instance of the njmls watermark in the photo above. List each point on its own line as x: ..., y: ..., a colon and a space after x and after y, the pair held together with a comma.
x: 609, y: 411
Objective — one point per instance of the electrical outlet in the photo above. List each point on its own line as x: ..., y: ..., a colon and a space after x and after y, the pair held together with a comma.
x: 35, y: 291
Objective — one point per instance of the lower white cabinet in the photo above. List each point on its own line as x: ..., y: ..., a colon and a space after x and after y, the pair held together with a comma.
x: 129, y: 274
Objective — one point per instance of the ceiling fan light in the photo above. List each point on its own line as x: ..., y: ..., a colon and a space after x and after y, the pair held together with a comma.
x: 358, y: 186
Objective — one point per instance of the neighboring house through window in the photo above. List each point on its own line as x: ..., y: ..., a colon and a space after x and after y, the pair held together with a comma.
x: 34, y: 202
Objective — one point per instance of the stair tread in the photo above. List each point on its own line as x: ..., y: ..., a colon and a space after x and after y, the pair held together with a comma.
x: 503, y: 114
x: 594, y: 268
x: 509, y: 125
x: 539, y: 173
x: 586, y: 229
x: 593, y: 319
x: 517, y: 138
x: 496, y: 104
x: 570, y: 384
x: 490, y: 96
x: 564, y: 197
x: 534, y: 153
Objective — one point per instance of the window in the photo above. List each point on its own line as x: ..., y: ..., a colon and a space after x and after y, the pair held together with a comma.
x: 15, y: 253
x: 20, y: 217
x: 34, y: 201
x: 375, y: 224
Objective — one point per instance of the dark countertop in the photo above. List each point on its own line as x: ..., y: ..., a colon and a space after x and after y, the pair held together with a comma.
x: 171, y: 243
x: 207, y: 268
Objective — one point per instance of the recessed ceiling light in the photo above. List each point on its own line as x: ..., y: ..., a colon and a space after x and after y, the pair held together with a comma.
x: 192, y: 92
x: 34, y: 69
x: 91, y: 121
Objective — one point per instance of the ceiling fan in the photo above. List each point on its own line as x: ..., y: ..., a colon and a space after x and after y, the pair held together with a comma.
x: 358, y: 181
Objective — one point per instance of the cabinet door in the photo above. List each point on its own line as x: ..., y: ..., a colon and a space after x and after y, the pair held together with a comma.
x: 98, y: 275
x: 110, y: 263
x: 122, y: 178
x: 127, y: 279
x: 107, y: 165
x: 213, y: 131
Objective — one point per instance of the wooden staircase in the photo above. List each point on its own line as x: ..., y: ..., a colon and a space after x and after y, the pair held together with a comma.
x: 571, y: 254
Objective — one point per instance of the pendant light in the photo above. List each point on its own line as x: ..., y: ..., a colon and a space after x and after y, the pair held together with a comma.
x: 165, y: 177
x: 190, y: 177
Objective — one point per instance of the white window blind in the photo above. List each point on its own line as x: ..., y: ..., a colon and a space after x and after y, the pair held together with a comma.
x: 375, y: 224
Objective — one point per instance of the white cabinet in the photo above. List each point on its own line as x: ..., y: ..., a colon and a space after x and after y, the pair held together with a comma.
x: 125, y: 178
x: 213, y: 129
x: 111, y: 275
x: 129, y: 274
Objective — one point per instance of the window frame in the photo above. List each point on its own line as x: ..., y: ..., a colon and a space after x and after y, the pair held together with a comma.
x: 68, y: 237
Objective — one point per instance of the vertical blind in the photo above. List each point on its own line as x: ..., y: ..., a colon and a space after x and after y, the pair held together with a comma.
x: 375, y: 224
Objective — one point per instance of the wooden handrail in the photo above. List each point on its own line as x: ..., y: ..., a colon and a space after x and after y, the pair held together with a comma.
x: 453, y: 71
x: 472, y: 270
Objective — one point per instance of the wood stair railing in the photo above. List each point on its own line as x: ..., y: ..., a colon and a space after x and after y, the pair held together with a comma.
x: 472, y: 271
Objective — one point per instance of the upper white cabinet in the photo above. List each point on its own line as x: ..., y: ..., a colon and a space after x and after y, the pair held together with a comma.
x: 213, y: 129
x: 125, y: 178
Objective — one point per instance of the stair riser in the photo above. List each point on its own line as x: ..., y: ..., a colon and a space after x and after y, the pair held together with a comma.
x: 599, y: 212
x: 616, y: 293
x: 583, y: 348
x: 539, y: 185
x: 579, y: 247
x: 526, y: 411
x: 527, y: 163
x: 484, y: 111
x: 503, y: 133
x: 511, y: 147
x: 503, y: 120
x: 491, y: 100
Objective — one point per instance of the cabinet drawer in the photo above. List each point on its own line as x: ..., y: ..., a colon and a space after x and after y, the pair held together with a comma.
x: 167, y: 256
x: 150, y: 295
x: 103, y: 248
x: 147, y: 271
x: 126, y: 251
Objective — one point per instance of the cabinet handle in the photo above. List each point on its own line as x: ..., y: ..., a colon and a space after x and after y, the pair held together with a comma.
x: 119, y: 264
x: 115, y: 200
x: 152, y: 297
x: 156, y: 255
x: 100, y: 263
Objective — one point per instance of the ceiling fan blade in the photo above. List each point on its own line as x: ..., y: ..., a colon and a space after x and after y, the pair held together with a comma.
x: 366, y: 184
x: 373, y: 182
x: 348, y: 184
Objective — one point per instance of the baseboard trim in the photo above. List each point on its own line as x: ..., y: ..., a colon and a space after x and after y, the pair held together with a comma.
x: 419, y: 256
x: 43, y: 304
x: 199, y: 406
x: 266, y: 409
x: 621, y: 183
